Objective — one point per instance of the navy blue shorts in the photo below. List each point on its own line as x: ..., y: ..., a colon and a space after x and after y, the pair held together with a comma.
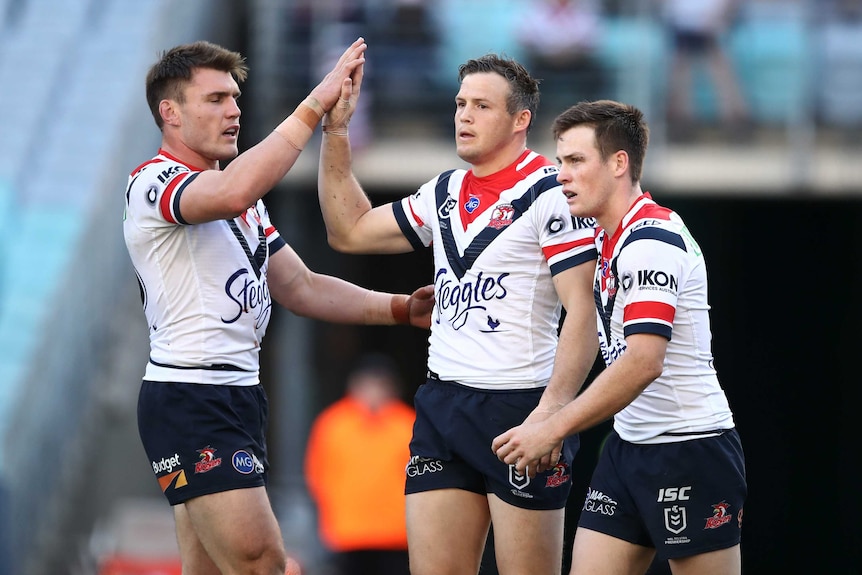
x: 682, y: 498
x: 451, y: 446
x: 203, y: 439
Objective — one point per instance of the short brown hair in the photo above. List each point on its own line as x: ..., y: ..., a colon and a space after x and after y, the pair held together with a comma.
x: 524, y: 89
x: 618, y: 126
x: 167, y: 77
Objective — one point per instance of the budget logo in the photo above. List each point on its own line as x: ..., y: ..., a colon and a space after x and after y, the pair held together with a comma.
x: 177, y: 479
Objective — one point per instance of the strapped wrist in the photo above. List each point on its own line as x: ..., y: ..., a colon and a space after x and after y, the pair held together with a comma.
x: 400, y: 307
x: 308, y: 112
x: 331, y: 130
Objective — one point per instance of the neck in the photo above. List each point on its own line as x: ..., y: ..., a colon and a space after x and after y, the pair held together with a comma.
x: 611, y: 220
x: 188, y: 156
x: 502, y: 159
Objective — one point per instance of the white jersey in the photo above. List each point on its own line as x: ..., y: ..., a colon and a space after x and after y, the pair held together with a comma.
x: 203, y: 286
x: 651, y: 278
x: 497, y: 243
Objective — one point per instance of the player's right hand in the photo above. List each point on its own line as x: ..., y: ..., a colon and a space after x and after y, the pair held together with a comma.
x: 329, y: 90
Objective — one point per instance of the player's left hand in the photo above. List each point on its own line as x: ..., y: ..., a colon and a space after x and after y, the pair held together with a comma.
x: 550, y: 460
x: 338, y: 117
x: 420, y: 304
x: 525, y: 446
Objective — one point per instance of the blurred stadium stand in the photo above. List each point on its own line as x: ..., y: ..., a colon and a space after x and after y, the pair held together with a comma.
x: 76, y: 124
x: 72, y: 339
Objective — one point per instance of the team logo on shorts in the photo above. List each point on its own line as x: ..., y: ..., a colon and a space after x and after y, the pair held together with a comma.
x: 720, y: 516
x: 208, y: 460
x: 559, y: 476
x: 674, y: 519
x: 245, y: 463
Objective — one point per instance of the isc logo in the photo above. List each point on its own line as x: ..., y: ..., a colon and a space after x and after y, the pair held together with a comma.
x: 666, y: 494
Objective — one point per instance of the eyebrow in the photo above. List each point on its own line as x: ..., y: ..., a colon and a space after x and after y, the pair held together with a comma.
x: 235, y: 94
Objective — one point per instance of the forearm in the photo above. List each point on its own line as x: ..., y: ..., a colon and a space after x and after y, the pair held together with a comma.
x: 575, y: 356
x: 578, y: 343
x: 328, y: 298
x: 616, y: 387
x: 256, y: 171
x: 342, y: 200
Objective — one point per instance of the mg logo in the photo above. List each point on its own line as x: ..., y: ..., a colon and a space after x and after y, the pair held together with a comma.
x: 674, y: 519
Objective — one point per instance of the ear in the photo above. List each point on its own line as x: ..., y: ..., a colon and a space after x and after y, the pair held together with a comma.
x: 169, y: 112
x: 620, y: 163
x: 522, y: 120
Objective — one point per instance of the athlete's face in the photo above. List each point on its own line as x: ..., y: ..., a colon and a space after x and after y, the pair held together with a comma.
x: 209, y: 116
x: 483, y: 125
x: 587, y: 179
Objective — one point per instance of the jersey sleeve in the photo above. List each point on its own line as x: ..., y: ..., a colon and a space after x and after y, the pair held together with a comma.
x: 650, y: 268
x: 154, y: 194
x: 414, y: 214
x: 566, y: 241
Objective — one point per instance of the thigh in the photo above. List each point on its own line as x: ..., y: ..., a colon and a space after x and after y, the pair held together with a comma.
x: 721, y: 562
x: 235, y: 528
x: 195, y: 559
x: 526, y: 540
x: 595, y: 553
x: 446, y: 531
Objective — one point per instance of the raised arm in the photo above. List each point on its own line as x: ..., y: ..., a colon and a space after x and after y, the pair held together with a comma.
x: 353, y: 225
x: 221, y: 194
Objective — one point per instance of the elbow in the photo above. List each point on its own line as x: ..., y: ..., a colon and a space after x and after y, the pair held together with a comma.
x: 342, y: 244
x: 236, y: 204
x: 656, y: 372
x: 653, y: 368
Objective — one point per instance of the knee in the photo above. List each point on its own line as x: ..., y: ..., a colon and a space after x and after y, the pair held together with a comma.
x: 263, y: 560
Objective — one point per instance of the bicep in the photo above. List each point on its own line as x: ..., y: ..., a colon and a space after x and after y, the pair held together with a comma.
x: 377, y: 231
x: 574, y: 287
x: 645, y: 354
x: 288, y: 278
x: 206, y: 200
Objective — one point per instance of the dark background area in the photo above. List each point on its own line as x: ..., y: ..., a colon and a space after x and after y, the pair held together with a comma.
x: 783, y: 277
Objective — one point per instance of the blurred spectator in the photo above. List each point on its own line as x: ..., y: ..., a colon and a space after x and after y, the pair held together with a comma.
x: 838, y: 69
x: 559, y: 40
x: 697, y: 29
x: 334, y: 23
x: 403, y: 61
x: 354, y: 466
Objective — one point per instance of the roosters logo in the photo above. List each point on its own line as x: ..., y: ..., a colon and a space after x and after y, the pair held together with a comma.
x: 502, y: 216
x: 559, y: 476
x: 720, y: 516
x: 208, y: 460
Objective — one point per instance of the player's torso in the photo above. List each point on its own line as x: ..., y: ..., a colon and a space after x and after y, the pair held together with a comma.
x: 203, y: 286
x: 652, y: 279
x: 497, y: 311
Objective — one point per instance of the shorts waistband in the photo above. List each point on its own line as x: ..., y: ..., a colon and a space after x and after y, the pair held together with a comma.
x: 434, y: 377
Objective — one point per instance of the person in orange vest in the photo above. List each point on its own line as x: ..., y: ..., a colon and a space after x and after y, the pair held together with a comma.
x: 355, y: 461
